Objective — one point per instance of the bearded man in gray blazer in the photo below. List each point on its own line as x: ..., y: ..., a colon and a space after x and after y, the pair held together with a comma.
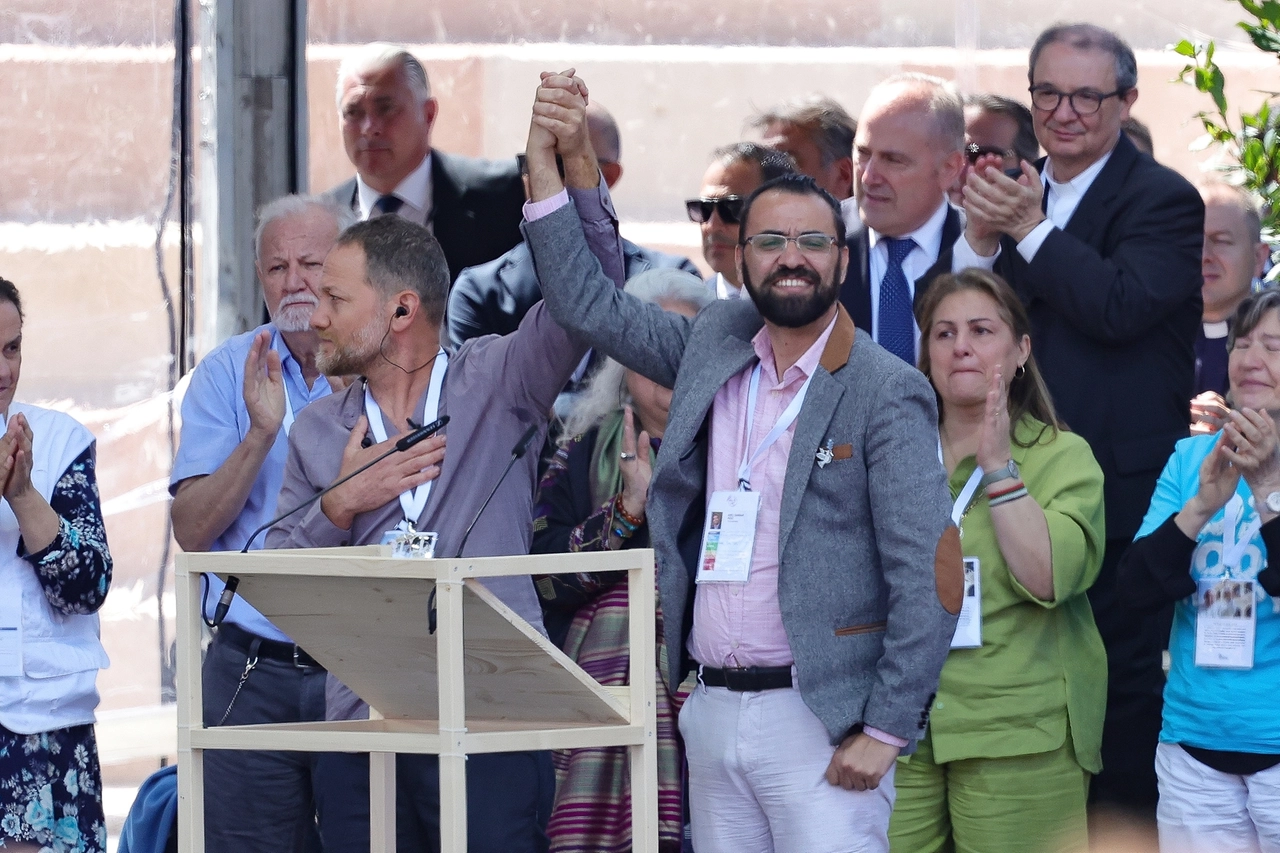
x: 818, y: 657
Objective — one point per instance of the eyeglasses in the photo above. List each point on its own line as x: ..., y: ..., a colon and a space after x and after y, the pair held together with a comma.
x: 973, y: 151
x: 809, y: 243
x: 728, y: 206
x: 1085, y: 102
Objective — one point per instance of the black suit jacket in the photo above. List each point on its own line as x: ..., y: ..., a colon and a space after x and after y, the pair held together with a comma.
x: 492, y: 299
x: 856, y: 291
x: 477, y: 206
x: 1114, y: 301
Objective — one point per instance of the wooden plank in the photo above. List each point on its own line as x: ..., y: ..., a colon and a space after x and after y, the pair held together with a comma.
x: 382, y: 802
x: 373, y: 634
x: 190, y: 713
x: 370, y: 561
x: 453, y: 722
x: 641, y: 610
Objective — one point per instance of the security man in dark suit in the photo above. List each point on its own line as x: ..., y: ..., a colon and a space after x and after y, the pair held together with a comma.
x: 909, y: 149
x: 1104, y: 248
x: 385, y: 112
x: 492, y: 298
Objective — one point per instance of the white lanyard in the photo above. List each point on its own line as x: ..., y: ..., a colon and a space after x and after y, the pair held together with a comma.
x: 787, y: 418
x: 415, y: 500
x: 966, y: 494
x: 287, y: 424
x: 1232, y: 548
x: 965, y: 497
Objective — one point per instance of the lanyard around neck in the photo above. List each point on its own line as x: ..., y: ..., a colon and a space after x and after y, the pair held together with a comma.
x: 413, y: 502
x: 785, y: 420
x: 961, y: 505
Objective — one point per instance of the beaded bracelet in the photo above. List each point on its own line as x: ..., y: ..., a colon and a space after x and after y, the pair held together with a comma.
x: 620, y: 512
x: 1006, y: 497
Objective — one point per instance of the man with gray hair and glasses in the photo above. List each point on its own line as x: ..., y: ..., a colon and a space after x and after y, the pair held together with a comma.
x: 236, y: 417
x: 1103, y: 245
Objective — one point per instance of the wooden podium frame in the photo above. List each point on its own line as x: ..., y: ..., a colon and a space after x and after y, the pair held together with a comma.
x: 498, y: 684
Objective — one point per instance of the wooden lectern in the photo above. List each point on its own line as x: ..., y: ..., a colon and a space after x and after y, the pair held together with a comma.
x: 484, y: 681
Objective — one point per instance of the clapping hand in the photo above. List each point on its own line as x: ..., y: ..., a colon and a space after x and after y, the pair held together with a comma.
x: 264, y: 387
x: 993, y: 442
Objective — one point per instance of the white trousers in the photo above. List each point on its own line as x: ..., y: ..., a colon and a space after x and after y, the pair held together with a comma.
x: 1204, y: 811
x: 757, y: 779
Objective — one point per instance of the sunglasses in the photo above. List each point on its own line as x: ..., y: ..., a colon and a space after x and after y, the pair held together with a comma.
x: 973, y: 151
x: 728, y: 206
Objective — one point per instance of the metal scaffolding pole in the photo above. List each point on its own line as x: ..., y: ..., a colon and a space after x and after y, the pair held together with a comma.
x: 253, y: 148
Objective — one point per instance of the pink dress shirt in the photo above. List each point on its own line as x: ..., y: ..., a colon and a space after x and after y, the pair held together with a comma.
x: 737, y: 624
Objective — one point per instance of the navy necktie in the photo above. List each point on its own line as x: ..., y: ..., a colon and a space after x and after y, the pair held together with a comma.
x: 896, y: 323
x: 385, y: 205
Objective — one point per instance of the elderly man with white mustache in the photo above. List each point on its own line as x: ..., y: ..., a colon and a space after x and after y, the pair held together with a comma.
x: 236, y: 416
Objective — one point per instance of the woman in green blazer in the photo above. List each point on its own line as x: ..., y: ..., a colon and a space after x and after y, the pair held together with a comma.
x: 1016, y: 727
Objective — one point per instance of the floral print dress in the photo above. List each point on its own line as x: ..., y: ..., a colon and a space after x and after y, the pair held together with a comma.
x: 50, y: 782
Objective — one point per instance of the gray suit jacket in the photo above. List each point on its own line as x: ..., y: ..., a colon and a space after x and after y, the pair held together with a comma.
x: 869, y: 575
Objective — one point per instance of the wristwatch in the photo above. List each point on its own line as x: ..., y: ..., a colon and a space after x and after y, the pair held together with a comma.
x: 1010, y: 472
x: 1273, y: 502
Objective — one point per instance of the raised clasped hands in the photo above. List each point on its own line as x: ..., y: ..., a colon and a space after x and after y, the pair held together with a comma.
x: 384, y: 482
x: 996, y: 204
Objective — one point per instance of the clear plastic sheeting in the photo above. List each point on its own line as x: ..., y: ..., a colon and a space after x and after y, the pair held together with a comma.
x: 87, y: 95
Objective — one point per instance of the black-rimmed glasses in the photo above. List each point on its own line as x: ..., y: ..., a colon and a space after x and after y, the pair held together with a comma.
x: 1084, y: 102
x: 728, y: 206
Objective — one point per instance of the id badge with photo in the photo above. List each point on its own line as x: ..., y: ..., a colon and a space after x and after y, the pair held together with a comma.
x: 968, y: 633
x: 11, y: 637
x: 728, y: 537
x: 1226, y: 623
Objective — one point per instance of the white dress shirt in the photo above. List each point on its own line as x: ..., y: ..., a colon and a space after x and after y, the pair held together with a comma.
x: 414, y: 191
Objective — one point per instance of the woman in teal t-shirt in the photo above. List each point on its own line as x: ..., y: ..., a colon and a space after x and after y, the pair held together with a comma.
x: 1204, y: 544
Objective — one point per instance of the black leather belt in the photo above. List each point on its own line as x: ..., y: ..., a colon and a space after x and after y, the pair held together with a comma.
x: 746, y: 679
x: 269, y: 649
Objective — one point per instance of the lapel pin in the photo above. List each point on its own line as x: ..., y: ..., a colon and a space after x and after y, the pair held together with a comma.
x: 824, y: 454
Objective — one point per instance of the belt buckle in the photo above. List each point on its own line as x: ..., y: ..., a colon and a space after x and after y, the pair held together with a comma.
x: 736, y: 678
x: 298, y: 664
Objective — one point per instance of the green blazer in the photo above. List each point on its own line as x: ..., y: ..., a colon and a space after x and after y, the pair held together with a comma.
x: 1041, y: 671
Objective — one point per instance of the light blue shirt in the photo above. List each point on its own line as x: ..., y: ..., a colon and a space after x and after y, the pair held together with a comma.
x: 1222, y: 709
x: 214, y: 422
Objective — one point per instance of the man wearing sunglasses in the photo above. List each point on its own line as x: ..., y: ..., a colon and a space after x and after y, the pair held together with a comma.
x: 735, y: 171
x: 994, y: 124
x: 1103, y: 245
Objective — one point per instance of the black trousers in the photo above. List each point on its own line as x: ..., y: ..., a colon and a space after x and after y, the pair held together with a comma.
x: 1135, y: 686
x: 509, y: 798
x: 259, y: 802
